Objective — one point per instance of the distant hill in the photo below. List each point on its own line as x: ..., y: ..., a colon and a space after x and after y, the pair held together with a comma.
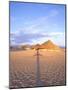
x: 49, y: 45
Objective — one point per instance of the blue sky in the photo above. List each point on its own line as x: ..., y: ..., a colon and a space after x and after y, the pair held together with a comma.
x: 32, y: 23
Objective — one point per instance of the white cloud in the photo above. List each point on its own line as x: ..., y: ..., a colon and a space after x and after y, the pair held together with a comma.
x: 56, y: 33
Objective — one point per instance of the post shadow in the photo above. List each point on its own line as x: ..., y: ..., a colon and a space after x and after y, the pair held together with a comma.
x: 38, y: 74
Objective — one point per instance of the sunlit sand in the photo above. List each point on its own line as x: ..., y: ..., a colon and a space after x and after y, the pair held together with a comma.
x: 23, y: 68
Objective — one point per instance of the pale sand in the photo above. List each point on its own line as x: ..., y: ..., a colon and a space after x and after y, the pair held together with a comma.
x: 23, y: 68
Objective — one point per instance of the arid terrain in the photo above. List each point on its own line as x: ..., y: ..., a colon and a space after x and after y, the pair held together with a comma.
x: 23, y: 68
x: 37, y: 45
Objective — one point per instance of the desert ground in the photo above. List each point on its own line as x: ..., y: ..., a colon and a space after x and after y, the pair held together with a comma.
x: 23, y: 68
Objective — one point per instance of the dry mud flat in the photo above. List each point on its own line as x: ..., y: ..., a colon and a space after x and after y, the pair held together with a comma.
x: 23, y: 68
